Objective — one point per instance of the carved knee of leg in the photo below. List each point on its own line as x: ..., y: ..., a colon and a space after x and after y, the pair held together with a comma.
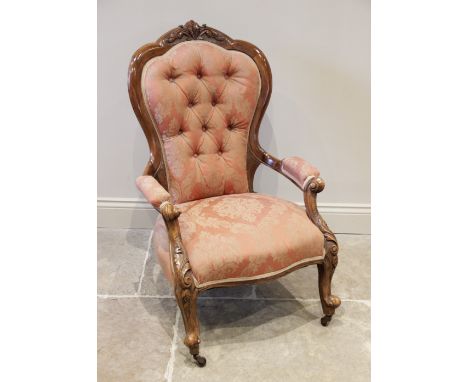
x: 333, y: 301
x: 192, y: 341
x: 329, y: 301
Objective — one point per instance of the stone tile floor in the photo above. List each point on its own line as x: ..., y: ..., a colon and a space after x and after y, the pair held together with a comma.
x: 268, y: 332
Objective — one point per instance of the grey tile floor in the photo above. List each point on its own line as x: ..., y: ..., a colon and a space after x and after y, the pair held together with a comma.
x: 268, y: 332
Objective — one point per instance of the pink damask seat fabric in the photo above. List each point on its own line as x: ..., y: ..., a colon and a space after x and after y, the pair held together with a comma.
x: 202, y: 99
x: 240, y: 237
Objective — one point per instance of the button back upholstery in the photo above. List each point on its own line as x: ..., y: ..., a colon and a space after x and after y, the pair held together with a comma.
x: 202, y: 98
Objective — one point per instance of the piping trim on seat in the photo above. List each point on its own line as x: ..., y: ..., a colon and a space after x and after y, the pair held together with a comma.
x: 258, y: 277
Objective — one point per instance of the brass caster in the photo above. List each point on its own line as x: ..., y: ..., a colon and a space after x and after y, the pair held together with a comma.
x: 201, y: 361
x: 325, y: 320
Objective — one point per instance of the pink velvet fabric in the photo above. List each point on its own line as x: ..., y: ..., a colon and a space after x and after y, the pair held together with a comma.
x: 298, y: 170
x: 203, y: 98
x: 152, y: 190
x: 240, y: 236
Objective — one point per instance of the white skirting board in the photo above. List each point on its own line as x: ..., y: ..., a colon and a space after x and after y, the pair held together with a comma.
x: 136, y: 213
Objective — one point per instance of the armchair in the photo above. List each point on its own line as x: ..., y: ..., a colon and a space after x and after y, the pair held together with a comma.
x: 200, y: 97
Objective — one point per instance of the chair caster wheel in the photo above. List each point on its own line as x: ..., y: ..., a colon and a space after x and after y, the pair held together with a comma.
x: 201, y: 361
x: 325, y: 320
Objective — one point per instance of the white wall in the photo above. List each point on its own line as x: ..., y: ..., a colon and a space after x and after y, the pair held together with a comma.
x: 319, y: 52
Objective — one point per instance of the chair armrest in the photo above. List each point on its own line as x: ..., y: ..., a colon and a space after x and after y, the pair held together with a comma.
x: 299, y: 171
x: 307, y: 178
x: 152, y: 190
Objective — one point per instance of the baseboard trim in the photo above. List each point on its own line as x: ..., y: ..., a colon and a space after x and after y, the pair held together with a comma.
x: 351, y: 218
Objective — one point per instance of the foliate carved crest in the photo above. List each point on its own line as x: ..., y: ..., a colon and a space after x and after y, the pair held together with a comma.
x: 191, y: 30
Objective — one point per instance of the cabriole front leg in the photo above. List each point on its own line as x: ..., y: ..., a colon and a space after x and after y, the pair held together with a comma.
x: 187, y: 301
x: 325, y: 271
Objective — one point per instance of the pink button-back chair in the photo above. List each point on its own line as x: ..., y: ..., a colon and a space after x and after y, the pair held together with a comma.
x: 200, y: 97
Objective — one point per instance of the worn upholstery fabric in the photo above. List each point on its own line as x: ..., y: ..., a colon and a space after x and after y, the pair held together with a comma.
x: 202, y: 98
x: 152, y: 190
x: 240, y: 236
x: 299, y: 170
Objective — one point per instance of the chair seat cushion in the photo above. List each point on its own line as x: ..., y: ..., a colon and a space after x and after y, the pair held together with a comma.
x: 241, y: 237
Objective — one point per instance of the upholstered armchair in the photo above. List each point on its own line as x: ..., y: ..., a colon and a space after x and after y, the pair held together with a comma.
x: 200, y: 97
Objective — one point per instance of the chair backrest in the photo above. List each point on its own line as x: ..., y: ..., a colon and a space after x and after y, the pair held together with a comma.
x: 200, y: 97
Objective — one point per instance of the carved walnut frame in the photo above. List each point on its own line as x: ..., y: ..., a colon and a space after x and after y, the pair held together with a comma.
x: 185, y: 290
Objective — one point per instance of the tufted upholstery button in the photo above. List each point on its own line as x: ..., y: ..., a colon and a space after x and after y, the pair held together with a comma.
x: 195, y: 155
x: 220, y: 152
x: 204, y: 128
x: 181, y: 131
x: 190, y: 104
x: 230, y: 126
x: 214, y: 102
x: 199, y: 75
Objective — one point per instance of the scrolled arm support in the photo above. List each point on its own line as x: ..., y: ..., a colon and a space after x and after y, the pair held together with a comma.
x: 184, y: 284
x: 182, y: 271
x: 312, y: 188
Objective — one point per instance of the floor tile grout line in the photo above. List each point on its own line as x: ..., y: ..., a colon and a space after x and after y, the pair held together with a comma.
x: 366, y: 302
x: 107, y: 296
x: 170, y: 364
x: 148, y: 247
x: 115, y: 296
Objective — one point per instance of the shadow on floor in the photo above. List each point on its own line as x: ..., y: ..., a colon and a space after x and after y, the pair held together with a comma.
x: 238, y: 315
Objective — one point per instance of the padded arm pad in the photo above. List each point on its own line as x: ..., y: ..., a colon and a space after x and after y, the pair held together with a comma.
x: 152, y: 190
x: 299, y: 170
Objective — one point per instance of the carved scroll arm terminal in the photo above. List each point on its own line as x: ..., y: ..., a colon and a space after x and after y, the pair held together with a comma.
x: 311, y: 188
x: 180, y: 262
